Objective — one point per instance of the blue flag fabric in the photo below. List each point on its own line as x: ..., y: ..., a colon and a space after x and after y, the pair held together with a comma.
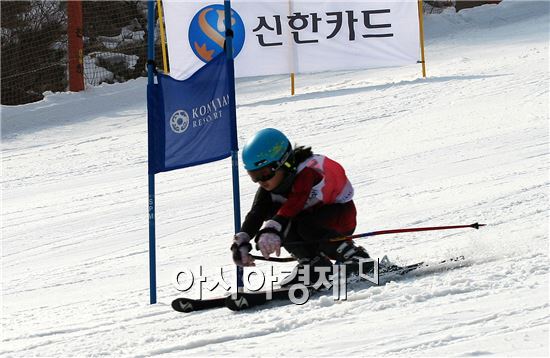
x: 190, y: 121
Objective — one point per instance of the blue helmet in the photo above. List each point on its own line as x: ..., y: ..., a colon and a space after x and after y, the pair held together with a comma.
x: 267, y: 147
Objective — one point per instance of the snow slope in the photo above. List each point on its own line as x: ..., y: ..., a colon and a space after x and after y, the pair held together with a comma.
x: 469, y: 143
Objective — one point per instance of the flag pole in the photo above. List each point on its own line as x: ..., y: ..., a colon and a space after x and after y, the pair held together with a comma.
x: 233, y: 118
x: 151, y: 201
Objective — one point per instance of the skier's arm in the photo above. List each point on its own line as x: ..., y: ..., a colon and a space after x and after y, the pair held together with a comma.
x: 262, y: 209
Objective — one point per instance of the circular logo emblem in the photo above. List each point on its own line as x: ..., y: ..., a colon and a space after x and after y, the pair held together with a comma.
x: 179, y: 122
x: 207, y: 32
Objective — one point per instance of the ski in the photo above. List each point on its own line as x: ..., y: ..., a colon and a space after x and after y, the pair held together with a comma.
x: 247, y: 300
x: 186, y: 305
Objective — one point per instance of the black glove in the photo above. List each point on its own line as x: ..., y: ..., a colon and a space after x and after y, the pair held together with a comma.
x: 241, y: 250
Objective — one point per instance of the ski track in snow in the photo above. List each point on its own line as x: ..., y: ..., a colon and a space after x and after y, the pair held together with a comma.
x: 469, y: 143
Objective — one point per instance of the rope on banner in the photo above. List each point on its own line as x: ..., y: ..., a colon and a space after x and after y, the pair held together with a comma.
x: 162, y: 37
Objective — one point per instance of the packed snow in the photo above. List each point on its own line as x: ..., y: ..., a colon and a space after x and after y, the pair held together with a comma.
x: 468, y: 143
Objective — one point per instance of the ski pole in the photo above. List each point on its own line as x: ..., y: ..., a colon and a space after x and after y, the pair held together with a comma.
x: 412, y: 229
x: 367, y: 234
x: 386, y: 232
x: 274, y: 259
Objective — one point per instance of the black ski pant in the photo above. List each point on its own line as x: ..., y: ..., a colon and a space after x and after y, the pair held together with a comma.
x: 308, y: 232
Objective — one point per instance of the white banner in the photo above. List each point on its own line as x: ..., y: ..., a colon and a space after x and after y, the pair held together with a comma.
x: 277, y: 37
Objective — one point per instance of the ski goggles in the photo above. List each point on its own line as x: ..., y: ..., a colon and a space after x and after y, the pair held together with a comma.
x: 262, y: 174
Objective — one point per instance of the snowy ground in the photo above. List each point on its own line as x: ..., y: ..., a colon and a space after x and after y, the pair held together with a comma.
x: 469, y: 143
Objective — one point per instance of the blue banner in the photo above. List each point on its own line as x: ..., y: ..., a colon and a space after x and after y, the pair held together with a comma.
x: 190, y: 121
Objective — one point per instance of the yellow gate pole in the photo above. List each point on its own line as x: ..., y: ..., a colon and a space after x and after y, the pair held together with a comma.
x: 421, y: 25
x: 292, y: 77
x: 162, y: 37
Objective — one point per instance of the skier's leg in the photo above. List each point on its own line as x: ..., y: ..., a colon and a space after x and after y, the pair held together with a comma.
x: 329, y: 222
x: 307, y: 256
x: 308, y: 235
x: 315, y: 228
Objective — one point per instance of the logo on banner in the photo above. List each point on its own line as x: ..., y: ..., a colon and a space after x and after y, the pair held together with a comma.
x: 209, y: 112
x: 200, y: 116
x: 207, y: 32
x: 179, y: 122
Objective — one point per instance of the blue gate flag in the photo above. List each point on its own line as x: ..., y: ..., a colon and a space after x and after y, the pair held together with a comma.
x: 190, y: 121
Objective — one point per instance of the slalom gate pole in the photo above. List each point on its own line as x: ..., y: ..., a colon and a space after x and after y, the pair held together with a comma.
x: 233, y: 114
x: 151, y: 177
x: 367, y: 234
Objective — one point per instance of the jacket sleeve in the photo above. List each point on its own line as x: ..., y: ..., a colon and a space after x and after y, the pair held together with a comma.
x: 301, y: 189
x: 262, y: 210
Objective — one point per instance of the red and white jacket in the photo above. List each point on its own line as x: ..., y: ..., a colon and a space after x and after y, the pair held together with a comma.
x: 318, y: 181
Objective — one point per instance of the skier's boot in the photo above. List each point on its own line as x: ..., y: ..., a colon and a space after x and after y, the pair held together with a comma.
x: 354, y: 257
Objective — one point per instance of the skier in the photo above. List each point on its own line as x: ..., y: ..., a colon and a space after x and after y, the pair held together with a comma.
x: 303, y: 200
